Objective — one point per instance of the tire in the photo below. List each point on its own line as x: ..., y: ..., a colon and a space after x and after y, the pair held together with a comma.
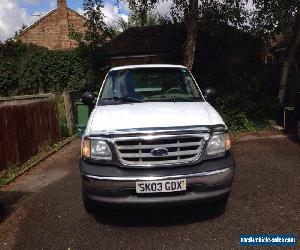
x: 89, y: 205
x: 224, y: 200
x: 2, y: 208
x: 298, y: 131
x: 220, y: 204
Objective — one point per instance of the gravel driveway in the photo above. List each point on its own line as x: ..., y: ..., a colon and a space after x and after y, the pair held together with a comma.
x: 44, y: 208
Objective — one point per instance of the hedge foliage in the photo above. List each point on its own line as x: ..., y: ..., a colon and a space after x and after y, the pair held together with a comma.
x: 247, y: 90
x: 26, y: 69
x: 251, y: 100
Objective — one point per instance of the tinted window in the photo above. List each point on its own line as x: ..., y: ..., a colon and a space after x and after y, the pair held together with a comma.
x: 149, y: 84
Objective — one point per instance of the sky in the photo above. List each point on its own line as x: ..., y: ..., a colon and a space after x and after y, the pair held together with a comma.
x: 15, y: 13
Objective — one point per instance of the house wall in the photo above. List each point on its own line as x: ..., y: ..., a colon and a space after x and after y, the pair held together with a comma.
x: 52, y: 31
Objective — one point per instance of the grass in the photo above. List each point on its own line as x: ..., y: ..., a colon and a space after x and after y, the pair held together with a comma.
x: 250, y: 127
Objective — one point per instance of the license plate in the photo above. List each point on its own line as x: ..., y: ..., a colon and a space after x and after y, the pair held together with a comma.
x: 166, y: 186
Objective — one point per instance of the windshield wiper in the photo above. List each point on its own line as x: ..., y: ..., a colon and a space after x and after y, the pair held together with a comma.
x: 175, y: 98
x: 123, y: 99
x: 179, y: 98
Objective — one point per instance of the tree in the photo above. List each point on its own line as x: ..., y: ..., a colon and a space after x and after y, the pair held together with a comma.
x: 91, y: 41
x: 205, y: 11
x: 141, y: 11
x: 191, y: 39
x: 134, y: 20
x: 289, y: 58
x: 190, y: 12
x: 17, y: 33
x: 97, y: 32
x: 8, y: 76
x: 274, y: 17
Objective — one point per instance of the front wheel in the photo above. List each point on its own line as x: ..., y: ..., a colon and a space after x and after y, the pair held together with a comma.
x: 89, y: 204
x: 221, y: 203
x: 298, y: 131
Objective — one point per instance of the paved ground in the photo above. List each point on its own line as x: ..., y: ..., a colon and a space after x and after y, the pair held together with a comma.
x: 44, y: 209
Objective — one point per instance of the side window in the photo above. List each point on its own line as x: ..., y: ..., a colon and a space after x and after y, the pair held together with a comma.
x: 108, y: 88
x: 191, y: 85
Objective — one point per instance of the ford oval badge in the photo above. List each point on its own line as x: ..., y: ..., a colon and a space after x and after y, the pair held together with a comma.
x: 159, y: 152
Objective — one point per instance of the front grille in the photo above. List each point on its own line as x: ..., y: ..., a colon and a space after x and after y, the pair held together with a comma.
x: 181, y: 149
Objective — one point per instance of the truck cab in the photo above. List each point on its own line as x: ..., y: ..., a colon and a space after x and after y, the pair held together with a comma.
x: 153, y: 139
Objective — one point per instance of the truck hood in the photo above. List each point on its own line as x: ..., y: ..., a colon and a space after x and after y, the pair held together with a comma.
x: 151, y: 115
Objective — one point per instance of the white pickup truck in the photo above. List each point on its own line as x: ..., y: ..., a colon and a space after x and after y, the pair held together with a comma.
x: 152, y: 139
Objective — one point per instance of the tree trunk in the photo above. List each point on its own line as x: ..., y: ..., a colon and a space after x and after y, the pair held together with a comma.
x: 191, y: 39
x: 288, y: 60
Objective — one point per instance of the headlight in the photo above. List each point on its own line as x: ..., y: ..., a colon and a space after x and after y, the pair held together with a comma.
x: 96, y: 149
x: 218, y: 145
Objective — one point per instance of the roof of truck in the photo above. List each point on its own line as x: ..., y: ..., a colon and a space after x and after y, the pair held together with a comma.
x: 149, y: 66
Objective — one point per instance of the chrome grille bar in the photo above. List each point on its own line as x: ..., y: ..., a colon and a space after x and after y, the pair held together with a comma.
x: 181, y: 149
x: 143, y: 155
x: 171, y: 145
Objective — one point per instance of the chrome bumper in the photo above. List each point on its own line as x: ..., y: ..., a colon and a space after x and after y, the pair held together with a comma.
x: 101, y: 183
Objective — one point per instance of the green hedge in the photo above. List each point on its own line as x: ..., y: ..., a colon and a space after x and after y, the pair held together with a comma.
x: 26, y: 69
x: 8, y: 78
x: 250, y: 101
x: 247, y: 91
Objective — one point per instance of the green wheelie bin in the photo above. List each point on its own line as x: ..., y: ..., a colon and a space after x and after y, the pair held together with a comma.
x: 83, y: 114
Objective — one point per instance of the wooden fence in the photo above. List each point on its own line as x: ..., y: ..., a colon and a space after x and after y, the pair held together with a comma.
x: 25, y: 128
x: 70, y: 98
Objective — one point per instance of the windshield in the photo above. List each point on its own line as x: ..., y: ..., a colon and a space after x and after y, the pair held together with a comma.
x: 149, y: 85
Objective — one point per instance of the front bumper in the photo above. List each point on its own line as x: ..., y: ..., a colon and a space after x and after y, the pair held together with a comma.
x: 208, y: 180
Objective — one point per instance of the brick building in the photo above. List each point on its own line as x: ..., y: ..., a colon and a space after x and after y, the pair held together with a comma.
x: 52, y: 30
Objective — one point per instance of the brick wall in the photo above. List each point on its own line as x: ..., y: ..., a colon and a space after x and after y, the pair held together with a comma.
x: 52, y: 31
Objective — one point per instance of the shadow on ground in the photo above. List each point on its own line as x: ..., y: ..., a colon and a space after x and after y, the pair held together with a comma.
x: 8, y: 202
x: 291, y: 134
x: 158, y: 216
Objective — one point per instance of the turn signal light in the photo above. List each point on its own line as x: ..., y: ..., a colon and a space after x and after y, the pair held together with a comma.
x: 227, y: 142
x: 86, y: 148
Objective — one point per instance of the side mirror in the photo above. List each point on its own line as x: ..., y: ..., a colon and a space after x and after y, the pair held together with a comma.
x: 209, y: 93
x: 88, y: 99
